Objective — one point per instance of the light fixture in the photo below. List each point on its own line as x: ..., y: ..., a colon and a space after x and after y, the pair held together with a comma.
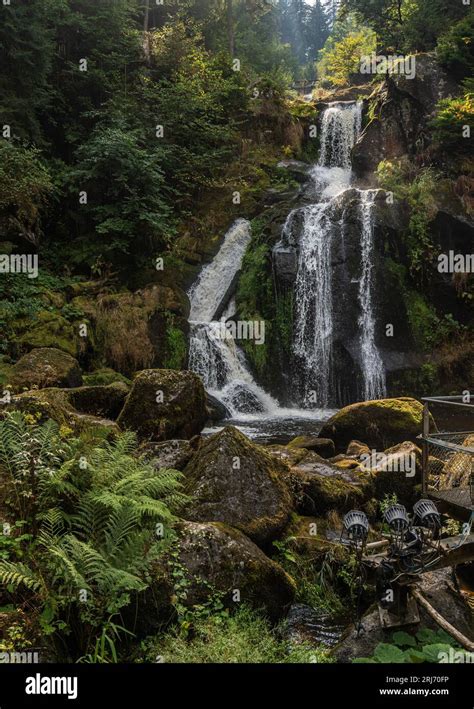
x: 397, y: 519
x: 426, y: 515
x: 356, y: 526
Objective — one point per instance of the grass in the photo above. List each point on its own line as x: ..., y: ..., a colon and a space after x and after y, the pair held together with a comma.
x: 243, y: 637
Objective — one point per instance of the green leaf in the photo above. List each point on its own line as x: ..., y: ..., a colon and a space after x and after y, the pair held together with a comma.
x: 432, y: 652
x: 403, y: 639
x: 364, y: 661
x: 415, y: 656
x: 389, y: 653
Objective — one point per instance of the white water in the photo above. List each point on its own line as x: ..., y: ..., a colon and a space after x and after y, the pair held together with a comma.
x: 372, y: 366
x: 221, y: 363
x: 314, y: 326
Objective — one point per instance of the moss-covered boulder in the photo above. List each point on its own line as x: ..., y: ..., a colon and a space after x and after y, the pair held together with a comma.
x: 55, y: 404
x: 45, y: 367
x: 396, y: 471
x: 380, y: 423
x: 50, y: 329
x: 104, y: 376
x: 235, y: 481
x: 319, y: 487
x: 323, y: 446
x: 174, y: 454
x: 164, y: 404
x: 103, y: 401
x: 215, y: 556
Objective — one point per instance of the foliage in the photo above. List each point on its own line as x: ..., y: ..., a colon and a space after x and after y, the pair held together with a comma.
x: 455, y: 47
x: 418, y: 188
x: 99, y: 517
x: 340, y: 60
x: 425, y: 646
x: 453, y: 124
x: 243, y: 636
x: 25, y: 187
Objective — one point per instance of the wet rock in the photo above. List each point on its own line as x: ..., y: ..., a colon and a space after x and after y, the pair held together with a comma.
x: 356, y: 448
x: 235, y: 481
x: 380, y: 423
x: 216, y: 411
x: 297, y: 169
x: 45, y: 367
x: 164, y: 404
x: 323, y: 446
x: 319, y: 487
x: 174, y: 454
x: 216, y: 556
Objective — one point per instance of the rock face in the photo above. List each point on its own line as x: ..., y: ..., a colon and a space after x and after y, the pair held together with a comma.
x: 174, y: 454
x: 45, y: 367
x: 380, y: 423
x: 164, y: 404
x: 438, y: 588
x: 217, y: 556
x: 402, y: 109
x: 234, y: 481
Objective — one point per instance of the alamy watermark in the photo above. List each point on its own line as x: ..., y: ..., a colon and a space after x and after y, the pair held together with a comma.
x: 239, y: 330
x: 19, y: 263
x: 392, y: 63
x: 455, y: 263
x: 392, y: 463
x: 19, y: 658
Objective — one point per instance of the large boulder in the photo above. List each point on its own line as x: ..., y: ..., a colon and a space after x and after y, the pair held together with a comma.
x: 174, y: 454
x: 45, y: 367
x: 323, y: 446
x: 319, y: 487
x: 232, y: 480
x: 396, y: 470
x: 215, y: 556
x: 379, y: 423
x: 105, y: 401
x: 164, y: 404
x: 54, y: 403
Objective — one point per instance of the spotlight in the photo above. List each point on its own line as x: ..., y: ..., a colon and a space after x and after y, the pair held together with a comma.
x: 356, y: 526
x: 426, y: 515
x: 397, y: 519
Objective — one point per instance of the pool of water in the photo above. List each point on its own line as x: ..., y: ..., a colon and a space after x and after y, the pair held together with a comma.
x: 276, y: 429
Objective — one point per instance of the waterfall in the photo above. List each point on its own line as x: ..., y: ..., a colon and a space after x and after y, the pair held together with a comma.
x: 372, y: 366
x: 218, y: 360
x: 340, y: 126
x: 313, y: 323
x: 312, y: 342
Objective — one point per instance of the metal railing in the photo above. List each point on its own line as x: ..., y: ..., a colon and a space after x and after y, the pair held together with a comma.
x: 448, y: 455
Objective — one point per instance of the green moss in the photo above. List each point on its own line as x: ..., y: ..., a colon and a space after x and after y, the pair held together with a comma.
x: 176, y: 345
x: 50, y: 330
x: 104, y: 376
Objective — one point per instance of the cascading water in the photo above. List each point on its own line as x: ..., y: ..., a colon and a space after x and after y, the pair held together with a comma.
x: 217, y: 359
x: 372, y: 366
x: 313, y: 323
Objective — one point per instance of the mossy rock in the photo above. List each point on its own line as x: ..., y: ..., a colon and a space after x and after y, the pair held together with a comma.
x: 397, y: 471
x: 103, y: 401
x: 104, y: 376
x: 45, y: 367
x: 235, y: 481
x: 54, y: 403
x: 319, y: 487
x: 50, y: 330
x: 165, y: 404
x: 323, y: 446
x: 216, y: 556
x: 380, y: 423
